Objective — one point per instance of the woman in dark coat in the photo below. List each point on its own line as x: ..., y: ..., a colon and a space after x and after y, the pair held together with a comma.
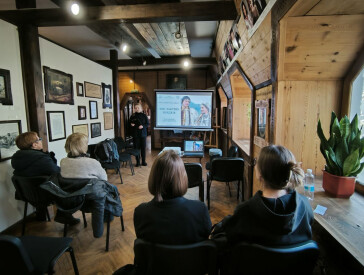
x: 139, y: 123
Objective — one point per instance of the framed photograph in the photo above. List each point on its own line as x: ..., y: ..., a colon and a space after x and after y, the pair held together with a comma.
x: 177, y: 81
x: 108, y: 121
x: 58, y: 86
x: 79, y: 89
x: 82, y: 112
x: 95, y: 129
x: 92, y: 90
x: 5, y: 88
x: 106, y: 96
x: 93, y: 110
x: 56, y: 125
x: 9, y: 130
x: 80, y: 128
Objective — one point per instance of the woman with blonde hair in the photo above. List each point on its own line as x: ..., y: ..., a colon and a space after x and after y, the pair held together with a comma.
x: 276, y: 215
x: 169, y: 218
x: 139, y: 123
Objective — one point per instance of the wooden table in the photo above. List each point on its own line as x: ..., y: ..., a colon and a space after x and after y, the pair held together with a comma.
x: 344, y: 219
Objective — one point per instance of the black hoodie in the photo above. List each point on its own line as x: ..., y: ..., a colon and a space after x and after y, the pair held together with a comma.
x: 282, y: 221
x: 33, y: 163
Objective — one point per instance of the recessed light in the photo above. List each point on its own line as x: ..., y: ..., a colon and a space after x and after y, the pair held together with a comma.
x: 75, y: 8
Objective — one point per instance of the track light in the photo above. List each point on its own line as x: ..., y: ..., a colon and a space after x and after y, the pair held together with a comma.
x: 75, y: 8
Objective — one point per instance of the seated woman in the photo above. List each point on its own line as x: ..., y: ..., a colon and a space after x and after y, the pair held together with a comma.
x: 277, y: 215
x: 169, y: 218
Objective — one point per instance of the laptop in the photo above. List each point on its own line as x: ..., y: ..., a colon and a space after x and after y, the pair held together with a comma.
x: 194, y: 148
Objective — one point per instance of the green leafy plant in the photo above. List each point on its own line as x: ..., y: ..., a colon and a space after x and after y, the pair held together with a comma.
x: 344, y: 149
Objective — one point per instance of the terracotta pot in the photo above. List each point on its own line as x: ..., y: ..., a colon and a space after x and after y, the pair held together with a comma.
x: 339, y: 187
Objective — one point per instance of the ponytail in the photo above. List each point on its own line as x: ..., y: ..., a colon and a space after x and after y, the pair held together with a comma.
x: 296, y: 174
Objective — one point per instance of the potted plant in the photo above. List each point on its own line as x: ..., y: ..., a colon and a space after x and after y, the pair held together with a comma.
x: 342, y: 151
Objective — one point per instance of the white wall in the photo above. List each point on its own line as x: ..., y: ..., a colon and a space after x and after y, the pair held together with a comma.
x: 57, y: 58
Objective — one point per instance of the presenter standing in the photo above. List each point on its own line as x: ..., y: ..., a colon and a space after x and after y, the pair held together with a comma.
x: 188, y: 115
x: 139, y: 123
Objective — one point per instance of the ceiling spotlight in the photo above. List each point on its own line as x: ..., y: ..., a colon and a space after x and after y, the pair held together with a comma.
x: 75, y: 8
x: 186, y: 63
x: 178, y: 34
x: 144, y: 62
x: 124, y: 47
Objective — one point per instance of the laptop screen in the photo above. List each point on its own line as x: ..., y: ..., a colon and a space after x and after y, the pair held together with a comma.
x: 193, y: 146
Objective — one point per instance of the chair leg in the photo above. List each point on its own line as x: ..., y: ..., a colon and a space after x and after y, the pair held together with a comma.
x: 121, y: 180
x: 228, y: 184
x: 208, y: 193
x: 131, y: 167
x: 237, y: 197
x: 201, y: 191
x: 47, y: 213
x: 84, y: 219
x: 73, y: 258
x: 24, y: 218
x: 107, y: 230
x: 122, y: 223
x: 65, y: 230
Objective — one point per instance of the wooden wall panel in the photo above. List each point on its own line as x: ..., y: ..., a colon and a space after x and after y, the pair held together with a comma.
x: 300, y: 105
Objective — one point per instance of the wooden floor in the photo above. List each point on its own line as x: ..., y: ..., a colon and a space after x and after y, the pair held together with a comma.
x: 90, y: 252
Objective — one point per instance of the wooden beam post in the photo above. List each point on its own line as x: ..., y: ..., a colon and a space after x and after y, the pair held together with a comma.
x: 116, y: 97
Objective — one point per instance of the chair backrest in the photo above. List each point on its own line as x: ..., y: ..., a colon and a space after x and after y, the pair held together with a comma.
x: 14, y: 259
x: 194, y: 174
x: 27, y: 189
x: 258, y: 259
x: 233, y: 151
x: 192, y: 259
x: 91, y: 150
x: 227, y: 169
x: 120, y: 143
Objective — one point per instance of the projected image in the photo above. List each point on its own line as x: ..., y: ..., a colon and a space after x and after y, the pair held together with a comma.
x: 184, y: 110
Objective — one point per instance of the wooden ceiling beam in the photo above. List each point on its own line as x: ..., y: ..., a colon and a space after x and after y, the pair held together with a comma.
x: 143, y: 13
x: 160, y: 61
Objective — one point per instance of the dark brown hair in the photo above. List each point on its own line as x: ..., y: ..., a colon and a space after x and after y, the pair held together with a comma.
x: 277, y: 165
x: 25, y: 140
x: 168, y: 177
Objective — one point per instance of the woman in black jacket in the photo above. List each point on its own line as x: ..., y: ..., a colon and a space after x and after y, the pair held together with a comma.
x: 139, y: 123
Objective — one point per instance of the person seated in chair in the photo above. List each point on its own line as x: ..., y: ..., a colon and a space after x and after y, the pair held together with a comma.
x: 31, y: 161
x: 169, y: 218
x: 277, y: 215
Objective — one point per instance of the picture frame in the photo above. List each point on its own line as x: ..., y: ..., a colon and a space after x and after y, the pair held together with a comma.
x: 177, y: 81
x: 58, y: 86
x: 95, y: 129
x: 9, y: 130
x: 106, y: 96
x: 6, y: 97
x: 92, y: 90
x: 79, y: 89
x: 108, y: 121
x: 80, y: 128
x: 93, y: 110
x: 56, y: 125
x: 82, y: 114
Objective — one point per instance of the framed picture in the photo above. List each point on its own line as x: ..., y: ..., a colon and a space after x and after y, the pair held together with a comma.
x: 58, y: 86
x: 177, y: 81
x: 106, y: 96
x: 79, y: 89
x: 82, y: 112
x: 92, y: 90
x: 108, y: 121
x: 80, y: 128
x: 56, y: 125
x: 5, y: 88
x: 95, y: 129
x: 93, y: 110
x: 9, y: 130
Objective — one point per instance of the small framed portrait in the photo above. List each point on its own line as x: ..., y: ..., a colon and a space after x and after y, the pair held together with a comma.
x: 58, y: 86
x: 95, y: 129
x: 9, y: 130
x: 106, y: 95
x: 93, y: 110
x: 82, y: 112
x: 79, y: 89
x: 56, y: 125
x: 5, y: 89
x: 80, y: 128
x: 108, y: 121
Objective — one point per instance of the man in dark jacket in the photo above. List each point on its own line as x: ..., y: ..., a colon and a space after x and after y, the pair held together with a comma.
x: 31, y: 161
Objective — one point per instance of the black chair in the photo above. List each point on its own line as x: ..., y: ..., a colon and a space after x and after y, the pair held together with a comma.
x: 194, y: 174
x: 27, y: 189
x: 232, y: 153
x: 225, y: 169
x: 115, y: 165
x: 127, y: 150
x: 248, y: 258
x: 32, y: 254
x: 124, y: 157
x: 192, y: 259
